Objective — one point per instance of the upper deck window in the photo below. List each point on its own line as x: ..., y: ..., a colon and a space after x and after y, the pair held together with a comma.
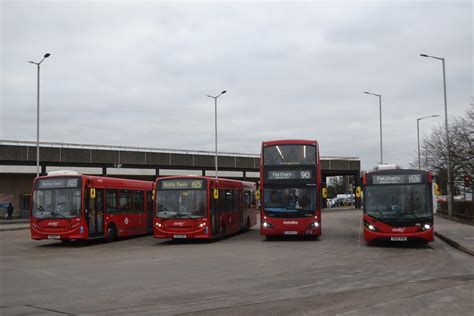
x: 277, y: 155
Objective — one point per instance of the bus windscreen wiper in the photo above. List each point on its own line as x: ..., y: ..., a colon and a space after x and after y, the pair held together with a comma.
x: 417, y: 217
x: 55, y: 215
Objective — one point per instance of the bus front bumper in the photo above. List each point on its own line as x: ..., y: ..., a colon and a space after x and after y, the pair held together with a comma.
x: 426, y: 235
x: 290, y: 227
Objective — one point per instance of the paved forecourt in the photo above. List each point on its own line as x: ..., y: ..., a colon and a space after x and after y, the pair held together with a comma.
x: 239, y: 275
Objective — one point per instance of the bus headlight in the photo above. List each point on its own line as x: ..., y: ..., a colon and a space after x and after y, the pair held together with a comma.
x: 158, y: 224
x: 426, y: 226
x: 202, y: 224
x: 370, y: 227
x: 266, y: 225
x: 314, y: 225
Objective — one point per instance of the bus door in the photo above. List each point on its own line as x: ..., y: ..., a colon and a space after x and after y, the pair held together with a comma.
x: 149, y: 212
x: 215, y: 222
x: 95, y: 219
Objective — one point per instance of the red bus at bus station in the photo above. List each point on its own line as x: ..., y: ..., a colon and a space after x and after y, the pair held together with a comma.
x: 398, y: 205
x: 290, y: 184
x: 67, y: 205
x: 203, y: 207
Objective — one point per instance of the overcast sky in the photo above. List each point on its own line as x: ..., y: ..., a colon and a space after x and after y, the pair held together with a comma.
x: 137, y: 74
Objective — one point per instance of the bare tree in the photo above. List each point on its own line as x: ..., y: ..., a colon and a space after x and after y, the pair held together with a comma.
x: 434, y: 155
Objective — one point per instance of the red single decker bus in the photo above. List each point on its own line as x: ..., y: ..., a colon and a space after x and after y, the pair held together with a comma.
x: 290, y: 184
x: 398, y: 205
x: 67, y: 205
x: 203, y: 207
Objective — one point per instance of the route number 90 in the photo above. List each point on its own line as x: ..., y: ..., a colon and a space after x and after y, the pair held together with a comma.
x: 305, y: 174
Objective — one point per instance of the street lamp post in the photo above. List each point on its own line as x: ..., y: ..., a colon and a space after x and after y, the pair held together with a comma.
x: 450, y: 197
x: 418, y: 134
x: 38, y: 109
x: 215, y: 121
x: 380, y: 111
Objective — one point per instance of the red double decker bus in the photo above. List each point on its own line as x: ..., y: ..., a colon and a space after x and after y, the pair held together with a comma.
x: 203, y: 207
x: 290, y: 184
x: 67, y: 205
x: 398, y: 205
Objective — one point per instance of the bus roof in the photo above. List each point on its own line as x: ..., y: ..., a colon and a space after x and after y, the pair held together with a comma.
x: 290, y: 142
x: 212, y: 179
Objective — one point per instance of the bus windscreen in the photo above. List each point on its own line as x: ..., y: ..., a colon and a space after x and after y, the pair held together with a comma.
x: 57, y: 198
x: 277, y: 155
x: 410, y: 201
x: 181, y: 198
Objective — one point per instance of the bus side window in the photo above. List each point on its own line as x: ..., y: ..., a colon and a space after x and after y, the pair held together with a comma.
x: 138, y: 202
x: 149, y: 201
x: 247, y: 199
x: 125, y: 201
x: 111, y: 201
x: 253, y: 201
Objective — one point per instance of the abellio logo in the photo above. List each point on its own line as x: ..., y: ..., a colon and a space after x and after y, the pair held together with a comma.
x: 290, y: 222
x: 398, y: 230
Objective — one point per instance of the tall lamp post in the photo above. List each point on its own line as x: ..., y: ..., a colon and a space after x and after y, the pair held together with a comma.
x: 38, y: 109
x: 215, y: 121
x: 418, y: 134
x: 448, y: 163
x: 380, y: 111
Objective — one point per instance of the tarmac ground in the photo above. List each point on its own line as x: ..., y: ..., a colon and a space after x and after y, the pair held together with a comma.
x: 240, y: 275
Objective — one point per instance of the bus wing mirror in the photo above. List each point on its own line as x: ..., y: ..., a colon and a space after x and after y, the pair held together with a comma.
x: 325, y: 193
x: 436, y: 189
x: 257, y: 195
x: 358, y: 192
x: 216, y: 194
x: 92, y: 193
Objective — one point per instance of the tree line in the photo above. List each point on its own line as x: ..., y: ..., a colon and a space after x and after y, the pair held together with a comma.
x: 433, y: 152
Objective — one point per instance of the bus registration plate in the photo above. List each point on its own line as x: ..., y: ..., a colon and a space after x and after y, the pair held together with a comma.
x: 55, y: 237
x: 179, y: 236
x: 398, y: 238
x: 290, y: 232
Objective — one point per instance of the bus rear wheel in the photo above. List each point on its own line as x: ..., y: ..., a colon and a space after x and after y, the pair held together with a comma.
x: 111, y: 233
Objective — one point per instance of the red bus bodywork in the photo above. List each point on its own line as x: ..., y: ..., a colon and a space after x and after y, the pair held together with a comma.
x: 120, y: 207
x: 220, y: 217
x: 299, y: 225
x: 398, y: 227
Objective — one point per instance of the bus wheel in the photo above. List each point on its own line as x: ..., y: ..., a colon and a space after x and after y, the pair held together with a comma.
x: 111, y: 233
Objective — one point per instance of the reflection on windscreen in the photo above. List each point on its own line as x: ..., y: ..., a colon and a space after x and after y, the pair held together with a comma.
x: 289, y: 155
x: 289, y: 199
x: 181, y: 203
x: 397, y: 200
x: 57, y: 203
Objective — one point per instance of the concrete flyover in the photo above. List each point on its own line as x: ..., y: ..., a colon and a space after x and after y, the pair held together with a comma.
x: 22, y: 153
x: 128, y: 162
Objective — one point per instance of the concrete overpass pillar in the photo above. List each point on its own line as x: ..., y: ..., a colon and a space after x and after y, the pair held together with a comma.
x: 104, y: 171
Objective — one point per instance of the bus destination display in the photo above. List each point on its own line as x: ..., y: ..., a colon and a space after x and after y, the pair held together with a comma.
x: 181, y: 184
x: 397, y: 179
x: 58, y: 183
x: 289, y: 174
